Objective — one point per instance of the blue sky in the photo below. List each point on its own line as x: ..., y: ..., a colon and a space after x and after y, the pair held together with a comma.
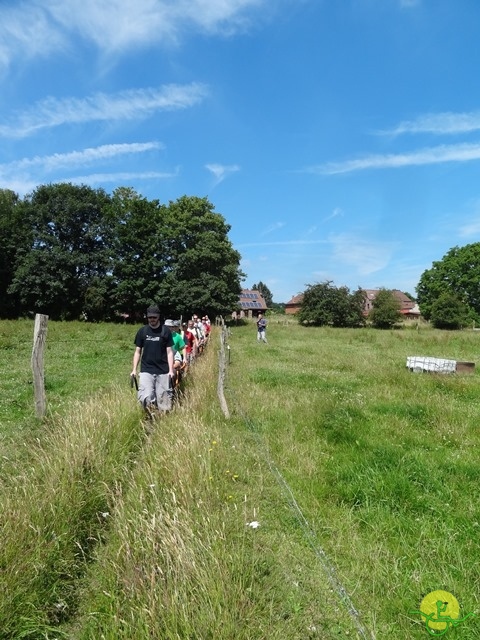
x: 340, y: 139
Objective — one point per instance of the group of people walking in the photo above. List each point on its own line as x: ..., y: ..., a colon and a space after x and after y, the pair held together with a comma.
x: 164, y: 353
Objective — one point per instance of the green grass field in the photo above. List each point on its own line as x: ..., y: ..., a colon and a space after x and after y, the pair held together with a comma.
x: 362, y: 476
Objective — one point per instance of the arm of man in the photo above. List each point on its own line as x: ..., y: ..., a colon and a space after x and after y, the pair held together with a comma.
x: 170, y: 360
x: 136, y: 359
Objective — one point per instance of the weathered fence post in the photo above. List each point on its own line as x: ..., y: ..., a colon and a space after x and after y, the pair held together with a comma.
x: 39, y: 339
x: 221, y: 373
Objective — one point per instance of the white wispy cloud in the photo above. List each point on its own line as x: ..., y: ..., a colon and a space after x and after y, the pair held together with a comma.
x: 40, y: 27
x: 335, y: 213
x: 438, y: 123
x: 26, y: 30
x: 363, y: 255
x: 125, y: 105
x: 470, y: 229
x: 273, y: 227
x: 79, y: 158
x: 117, y: 24
x: 282, y: 243
x: 431, y: 155
x: 24, y: 175
x: 100, y: 178
x: 221, y: 171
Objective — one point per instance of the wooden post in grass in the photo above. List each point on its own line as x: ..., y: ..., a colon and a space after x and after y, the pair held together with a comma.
x: 39, y: 339
x: 221, y: 374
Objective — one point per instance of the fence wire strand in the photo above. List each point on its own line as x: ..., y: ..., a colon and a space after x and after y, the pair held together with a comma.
x: 310, y: 536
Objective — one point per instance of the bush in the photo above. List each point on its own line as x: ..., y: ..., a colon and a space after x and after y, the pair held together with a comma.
x: 386, y: 310
x: 448, y: 312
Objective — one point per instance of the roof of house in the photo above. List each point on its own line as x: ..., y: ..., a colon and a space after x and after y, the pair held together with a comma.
x: 405, y: 301
x: 296, y: 300
x: 252, y: 299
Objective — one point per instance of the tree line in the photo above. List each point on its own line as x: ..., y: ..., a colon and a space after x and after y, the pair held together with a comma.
x: 71, y: 251
x: 448, y: 295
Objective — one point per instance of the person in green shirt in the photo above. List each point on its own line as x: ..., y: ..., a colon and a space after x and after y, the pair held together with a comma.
x: 178, y: 349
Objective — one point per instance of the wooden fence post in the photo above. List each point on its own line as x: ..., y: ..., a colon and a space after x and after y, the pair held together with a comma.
x: 39, y: 339
x: 221, y: 373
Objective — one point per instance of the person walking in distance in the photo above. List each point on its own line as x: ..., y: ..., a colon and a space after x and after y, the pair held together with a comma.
x: 154, y: 352
x: 261, y: 328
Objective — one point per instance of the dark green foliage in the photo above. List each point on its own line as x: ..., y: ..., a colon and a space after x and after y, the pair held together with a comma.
x: 141, y: 251
x: 265, y: 291
x: 458, y: 274
x: 448, y: 312
x: 14, y: 237
x: 202, y: 268
x: 69, y: 249
x: 386, y: 310
x: 278, y: 307
x: 324, y: 304
x: 82, y: 253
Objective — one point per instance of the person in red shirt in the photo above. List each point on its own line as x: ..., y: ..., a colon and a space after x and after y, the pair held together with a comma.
x: 191, y: 342
x: 206, y: 328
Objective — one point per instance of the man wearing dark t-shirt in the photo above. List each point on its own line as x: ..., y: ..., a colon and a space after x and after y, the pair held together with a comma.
x: 153, y: 350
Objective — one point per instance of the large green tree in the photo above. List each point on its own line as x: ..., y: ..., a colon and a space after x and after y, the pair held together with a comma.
x: 458, y: 274
x: 203, y: 272
x: 140, y: 251
x: 85, y: 253
x: 14, y: 237
x: 325, y: 304
x: 69, y: 252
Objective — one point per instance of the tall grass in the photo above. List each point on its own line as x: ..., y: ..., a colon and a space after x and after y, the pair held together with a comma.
x: 383, y: 461
x: 183, y: 560
x: 361, y: 476
x: 56, y: 510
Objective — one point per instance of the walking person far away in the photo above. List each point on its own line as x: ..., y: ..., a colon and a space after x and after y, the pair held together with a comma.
x: 154, y: 352
x: 261, y: 328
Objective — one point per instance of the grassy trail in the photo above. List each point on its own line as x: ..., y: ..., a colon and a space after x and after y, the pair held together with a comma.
x: 342, y: 483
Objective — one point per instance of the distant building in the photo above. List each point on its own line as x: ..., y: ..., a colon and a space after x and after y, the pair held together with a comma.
x: 293, y: 306
x: 250, y: 303
x: 408, y: 308
x: 411, y: 314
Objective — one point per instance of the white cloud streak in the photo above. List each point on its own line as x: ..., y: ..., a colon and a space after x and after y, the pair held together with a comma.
x: 468, y: 230
x: 100, y: 178
x: 79, y: 158
x: 24, y: 175
x: 446, y: 123
x: 26, y: 30
x: 221, y: 171
x: 273, y: 227
x: 335, y: 213
x: 432, y: 155
x: 283, y: 243
x: 126, y: 105
x: 40, y: 27
x: 365, y: 256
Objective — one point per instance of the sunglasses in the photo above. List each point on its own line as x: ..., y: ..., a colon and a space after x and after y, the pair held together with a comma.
x: 153, y: 317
